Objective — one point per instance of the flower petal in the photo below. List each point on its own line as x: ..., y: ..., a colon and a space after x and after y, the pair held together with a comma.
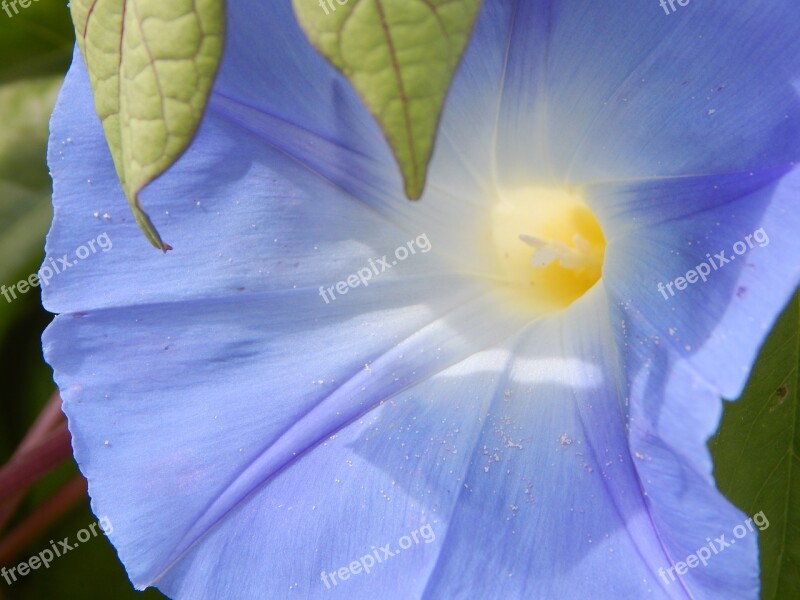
x: 219, y: 396
x: 551, y: 504
x: 679, y: 224
x: 598, y: 91
x: 520, y: 450
x: 686, y: 345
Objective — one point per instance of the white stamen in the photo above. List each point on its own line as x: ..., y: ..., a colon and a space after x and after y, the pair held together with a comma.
x: 546, y: 252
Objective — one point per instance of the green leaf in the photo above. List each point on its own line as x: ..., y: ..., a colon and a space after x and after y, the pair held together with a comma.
x: 400, y: 56
x: 757, y: 455
x: 152, y: 64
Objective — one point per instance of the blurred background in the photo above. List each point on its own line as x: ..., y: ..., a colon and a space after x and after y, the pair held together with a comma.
x: 44, y: 497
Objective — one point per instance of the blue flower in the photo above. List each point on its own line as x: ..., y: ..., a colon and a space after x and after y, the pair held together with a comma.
x: 515, y: 405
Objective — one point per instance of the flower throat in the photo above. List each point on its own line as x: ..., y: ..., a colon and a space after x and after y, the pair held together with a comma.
x: 548, y: 245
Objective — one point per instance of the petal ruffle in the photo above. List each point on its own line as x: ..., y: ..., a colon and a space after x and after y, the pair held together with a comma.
x: 684, y: 349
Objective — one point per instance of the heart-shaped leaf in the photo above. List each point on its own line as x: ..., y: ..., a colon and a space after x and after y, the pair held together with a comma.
x: 400, y: 56
x: 152, y: 64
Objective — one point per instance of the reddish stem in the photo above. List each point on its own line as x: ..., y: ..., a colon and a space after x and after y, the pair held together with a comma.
x: 26, y: 469
x: 55, y: 507
x: 50, y: 417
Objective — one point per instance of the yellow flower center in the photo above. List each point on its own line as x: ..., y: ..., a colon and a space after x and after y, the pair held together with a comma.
x: 548, y: 245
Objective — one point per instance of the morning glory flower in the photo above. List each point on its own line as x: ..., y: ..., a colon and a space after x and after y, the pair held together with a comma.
x: 514, y: 405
